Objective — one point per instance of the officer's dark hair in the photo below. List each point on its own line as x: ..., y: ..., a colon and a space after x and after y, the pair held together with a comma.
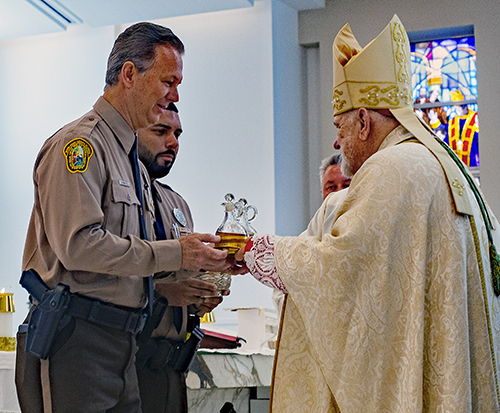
x: 171, y: 106
x: 137, y: 44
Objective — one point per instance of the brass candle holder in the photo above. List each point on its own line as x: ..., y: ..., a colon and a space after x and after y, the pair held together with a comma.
x: 7, y: 342
x: 208, y: 318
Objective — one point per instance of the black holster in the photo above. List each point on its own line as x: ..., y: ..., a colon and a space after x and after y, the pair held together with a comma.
x: 183, y: 354
x: 158, y: 352
x: 146, y: 345
x: 48, y: 317
x: 55, y: 308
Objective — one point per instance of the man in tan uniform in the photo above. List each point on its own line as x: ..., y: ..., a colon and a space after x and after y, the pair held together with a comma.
x: 393, y: 295
x: 90, y: 231
x: 163, y: 388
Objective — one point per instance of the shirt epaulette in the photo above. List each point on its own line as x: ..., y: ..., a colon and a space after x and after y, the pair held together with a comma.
x: 84, y: 126
x: 170, y: 189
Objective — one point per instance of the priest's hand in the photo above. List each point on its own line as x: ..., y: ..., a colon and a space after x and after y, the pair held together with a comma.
x: 239, y: 255
x: 237, y: 262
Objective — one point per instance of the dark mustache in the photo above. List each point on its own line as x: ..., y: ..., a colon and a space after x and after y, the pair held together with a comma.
x: 168, y: 152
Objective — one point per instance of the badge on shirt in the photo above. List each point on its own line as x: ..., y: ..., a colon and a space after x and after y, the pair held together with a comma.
x: 77, y: 153
x: 179, y: 216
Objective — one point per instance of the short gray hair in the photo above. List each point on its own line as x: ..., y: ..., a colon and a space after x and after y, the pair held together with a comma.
x: 335, y: 159
x: 137, y: 44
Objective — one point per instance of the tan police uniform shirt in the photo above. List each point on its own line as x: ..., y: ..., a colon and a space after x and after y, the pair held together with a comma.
x: 84, y: 229
x: 168, y: 201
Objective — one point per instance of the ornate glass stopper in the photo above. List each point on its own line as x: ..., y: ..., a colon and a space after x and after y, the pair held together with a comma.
x: 233, y: 234
x: 245, y: 214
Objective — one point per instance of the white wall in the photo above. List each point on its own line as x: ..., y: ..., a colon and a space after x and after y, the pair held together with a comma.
x: 226, y: 109
x: 289, y: 150
x: 226, y: 106
x: 368, y: 18
x: 45, y: 82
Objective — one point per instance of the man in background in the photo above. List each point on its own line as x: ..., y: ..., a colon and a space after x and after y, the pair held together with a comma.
x: 162, y: 386
x: 331, y: 176
x: 332, y: 180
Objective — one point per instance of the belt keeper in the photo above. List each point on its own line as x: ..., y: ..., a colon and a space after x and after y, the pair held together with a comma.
x: 131, y: 323
x: 94, y: 310
x: 142, y: 322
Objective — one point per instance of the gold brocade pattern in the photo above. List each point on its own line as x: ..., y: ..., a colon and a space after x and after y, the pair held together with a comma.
x: 338, y: 103
x: 400, y: 37
x: 388, y: 310
x: 373, y: 96
x: 485, y: 294
x: 386, y: 85
x: 302, y: 372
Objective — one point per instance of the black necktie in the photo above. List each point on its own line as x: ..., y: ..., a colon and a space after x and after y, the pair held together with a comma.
x: 159, y: 226
x: 148, y: 281
x: 162, y: 234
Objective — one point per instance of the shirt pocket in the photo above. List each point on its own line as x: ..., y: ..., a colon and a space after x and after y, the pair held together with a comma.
x: 122, y: 216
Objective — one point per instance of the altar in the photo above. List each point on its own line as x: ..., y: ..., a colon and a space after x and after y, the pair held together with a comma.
x: 8, y: 396
x: 216, y: 377
x: 240, y: 377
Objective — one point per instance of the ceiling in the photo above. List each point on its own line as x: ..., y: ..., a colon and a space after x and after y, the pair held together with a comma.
x: 19, y: 18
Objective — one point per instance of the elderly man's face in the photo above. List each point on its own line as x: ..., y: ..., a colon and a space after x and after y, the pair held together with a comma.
x: 348, y: 130
x: 155, y: 88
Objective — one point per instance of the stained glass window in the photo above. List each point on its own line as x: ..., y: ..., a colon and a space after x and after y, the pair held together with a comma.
x: 444, y: 82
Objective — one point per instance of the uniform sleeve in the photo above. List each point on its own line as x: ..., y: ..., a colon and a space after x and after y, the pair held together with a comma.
x: 91, y: 227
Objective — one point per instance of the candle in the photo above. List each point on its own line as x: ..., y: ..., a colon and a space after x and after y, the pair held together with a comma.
x: 6, y: 313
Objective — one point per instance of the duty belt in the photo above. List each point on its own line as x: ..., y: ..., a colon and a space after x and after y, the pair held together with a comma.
x: 122, y: 318
x: 130, y: 320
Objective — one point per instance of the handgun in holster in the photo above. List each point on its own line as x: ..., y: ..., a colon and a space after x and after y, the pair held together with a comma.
x: 48, y: 316
x: 183, y: 354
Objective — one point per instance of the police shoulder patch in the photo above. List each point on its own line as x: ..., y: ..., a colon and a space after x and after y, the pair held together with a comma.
x: 77, y: 153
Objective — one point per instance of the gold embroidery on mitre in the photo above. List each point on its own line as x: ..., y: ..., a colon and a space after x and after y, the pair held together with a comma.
x: 398, y: 34
x: 394, y: 94
x: 337, y: 103
x: 77, y: 153
x: 371, y: 93
x: 391, y: 95
x: 377, y: 76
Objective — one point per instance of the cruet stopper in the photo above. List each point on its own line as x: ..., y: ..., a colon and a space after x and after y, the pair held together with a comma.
x: 233, y: 234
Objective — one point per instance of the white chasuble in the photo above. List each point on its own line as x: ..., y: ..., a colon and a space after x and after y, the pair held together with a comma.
x: 389, y: 308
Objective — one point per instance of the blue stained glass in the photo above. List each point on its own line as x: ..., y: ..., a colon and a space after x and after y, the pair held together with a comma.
x: 449, y: 63
x: 445, y: 71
